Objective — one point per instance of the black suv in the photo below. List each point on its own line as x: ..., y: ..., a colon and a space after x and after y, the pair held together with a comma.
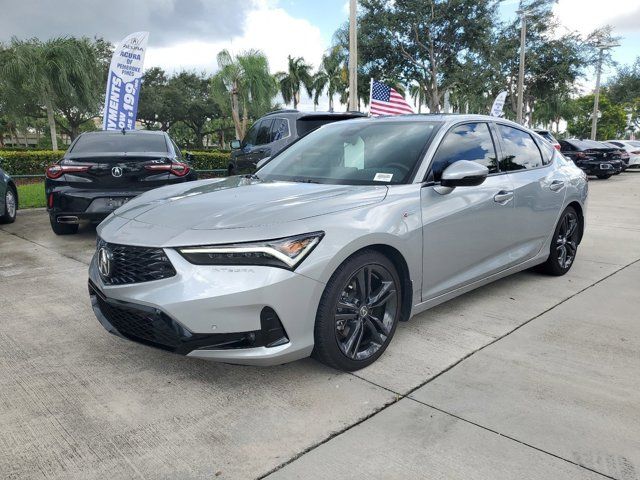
x: 103, y: 170
x: 595, y: 158
x: 275, y: 131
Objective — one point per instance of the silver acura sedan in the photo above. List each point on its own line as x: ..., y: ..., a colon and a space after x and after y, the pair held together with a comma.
x: 353, y: 228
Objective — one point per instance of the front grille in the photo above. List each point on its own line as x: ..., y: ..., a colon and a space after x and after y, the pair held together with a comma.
x: 150, y: 327
x: 135, y: 264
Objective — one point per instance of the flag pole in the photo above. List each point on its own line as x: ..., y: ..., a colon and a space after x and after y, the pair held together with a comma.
x: 370, y: 94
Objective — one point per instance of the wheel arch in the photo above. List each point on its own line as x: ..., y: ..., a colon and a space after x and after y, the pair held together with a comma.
x: 398, y: 260
x: 14, y: 187
x: 580, y: 211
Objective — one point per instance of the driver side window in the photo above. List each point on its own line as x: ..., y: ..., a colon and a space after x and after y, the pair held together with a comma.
x: 251, y: 136
x: 470, y: 141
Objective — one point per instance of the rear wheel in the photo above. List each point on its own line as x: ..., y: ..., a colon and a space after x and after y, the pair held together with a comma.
x: 231, y: 170
x: 10, y: 206
x: 603, y: 177
x: 564, y: 245
x: 62, y: 228
x: 358, y: 312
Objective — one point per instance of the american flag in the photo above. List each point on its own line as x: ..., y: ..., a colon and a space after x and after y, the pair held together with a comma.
x: 386, y: 101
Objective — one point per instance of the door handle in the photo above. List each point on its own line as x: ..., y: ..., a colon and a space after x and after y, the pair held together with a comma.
x: 503, y: 197
x: 556, y: 185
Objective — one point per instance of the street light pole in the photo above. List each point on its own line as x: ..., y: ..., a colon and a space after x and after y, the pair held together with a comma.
x: 523, y: 36
x: 596, y: 100
x: 353, y: 57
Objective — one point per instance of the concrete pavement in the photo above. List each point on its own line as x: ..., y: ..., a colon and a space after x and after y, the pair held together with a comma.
x: 526, y: 378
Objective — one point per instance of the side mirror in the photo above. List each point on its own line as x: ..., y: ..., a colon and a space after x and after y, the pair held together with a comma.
x: 262, y: 162
x: 235, y: 144
x: 462, y: 173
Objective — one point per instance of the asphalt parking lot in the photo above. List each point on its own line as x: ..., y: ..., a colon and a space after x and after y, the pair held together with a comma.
x: 531, y: 377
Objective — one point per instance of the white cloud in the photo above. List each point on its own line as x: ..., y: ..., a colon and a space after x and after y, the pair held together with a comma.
x: 267, y: 27
x: 587, y: 15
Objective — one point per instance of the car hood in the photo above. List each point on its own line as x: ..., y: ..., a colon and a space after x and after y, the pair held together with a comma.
x: 240, y: 202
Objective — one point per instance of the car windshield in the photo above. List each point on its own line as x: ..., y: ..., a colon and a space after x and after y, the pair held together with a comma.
x: 119, y: 142
x: 359, y: 152
x: 589, y: 144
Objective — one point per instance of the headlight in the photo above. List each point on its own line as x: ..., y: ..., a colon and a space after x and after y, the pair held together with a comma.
x: 282, y: 252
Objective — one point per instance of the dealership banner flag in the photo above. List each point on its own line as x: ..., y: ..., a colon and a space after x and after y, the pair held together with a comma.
x: 123, y: 83
x: 498, y: 104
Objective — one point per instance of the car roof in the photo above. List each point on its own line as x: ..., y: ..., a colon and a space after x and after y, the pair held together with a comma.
x: 445, y: 118
x: 317, y: 114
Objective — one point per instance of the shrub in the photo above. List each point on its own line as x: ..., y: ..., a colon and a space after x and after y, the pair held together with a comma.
x: 28, y: 162
x: 34, y: 162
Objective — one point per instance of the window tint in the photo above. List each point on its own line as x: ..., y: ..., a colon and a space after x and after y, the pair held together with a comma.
x: 471, y: 141
x: 177, y: 149
x: 520, y: 151
x: 374, y: 152
x: 250, y: 137
x: 279, y: 129
x: 119, y: 142
x: 264, y: 132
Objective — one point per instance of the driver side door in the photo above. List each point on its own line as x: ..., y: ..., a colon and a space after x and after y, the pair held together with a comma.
x: 467, y: 232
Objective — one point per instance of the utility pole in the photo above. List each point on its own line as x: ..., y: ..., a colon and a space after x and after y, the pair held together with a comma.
x: 353, y: 56
x: 523, y: 36
x: 594, y: 120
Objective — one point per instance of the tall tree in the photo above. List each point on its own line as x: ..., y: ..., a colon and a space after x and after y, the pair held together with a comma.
x: 624, y: 89
x: 611, y: 123
x: 155, y: 110
x: 297, y: 76
x: 249, y: 84
x: 330, y: 77
x: 57, y: 73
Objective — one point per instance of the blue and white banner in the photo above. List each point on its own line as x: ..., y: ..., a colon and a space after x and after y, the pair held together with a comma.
x: 498, y: 104
x: 123, y: 84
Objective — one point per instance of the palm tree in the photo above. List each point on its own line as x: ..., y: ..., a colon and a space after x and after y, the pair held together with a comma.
x: 60, y: 68
x: 248, y: 82
x: 298, y: 74
x: 332, y: 76
x: 418, y: 94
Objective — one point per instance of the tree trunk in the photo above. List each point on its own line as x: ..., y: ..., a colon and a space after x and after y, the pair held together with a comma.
x: 235, y: 111
x: 52, y: 124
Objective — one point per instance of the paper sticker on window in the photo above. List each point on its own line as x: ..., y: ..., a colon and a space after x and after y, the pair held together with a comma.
x: 383, y: 177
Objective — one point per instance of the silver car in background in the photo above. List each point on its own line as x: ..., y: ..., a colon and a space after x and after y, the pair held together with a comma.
x: 353, y: 228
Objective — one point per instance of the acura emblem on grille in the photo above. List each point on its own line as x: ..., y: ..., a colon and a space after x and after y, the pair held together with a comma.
x: 104, y: 262
x: 116, y: 171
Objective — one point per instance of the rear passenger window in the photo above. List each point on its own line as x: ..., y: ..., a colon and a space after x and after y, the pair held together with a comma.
x: 547, y: 151
x: 470, y: 141
x: 279, y: 129
x: 264, y: 132
x: 519, y: 149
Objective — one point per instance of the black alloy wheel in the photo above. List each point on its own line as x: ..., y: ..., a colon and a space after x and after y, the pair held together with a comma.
x: 564, y: 246
x: 10, y: 206
x: 358, y: 312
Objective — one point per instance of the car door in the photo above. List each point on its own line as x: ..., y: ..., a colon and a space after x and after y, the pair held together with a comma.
x: 538, y: 184
x: 467, y: 233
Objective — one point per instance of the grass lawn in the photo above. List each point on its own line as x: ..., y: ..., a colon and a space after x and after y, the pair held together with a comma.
x: 31, y: 195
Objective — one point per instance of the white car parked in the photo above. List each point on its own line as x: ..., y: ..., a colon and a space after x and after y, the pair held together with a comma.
x: 632, y: 147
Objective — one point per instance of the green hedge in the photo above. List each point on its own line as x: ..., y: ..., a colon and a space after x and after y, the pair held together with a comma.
x: 34, y: 162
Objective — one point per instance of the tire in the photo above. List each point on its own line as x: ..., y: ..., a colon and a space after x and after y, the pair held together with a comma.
x: 603, y: 177
x: 62, y: 228
x: 563, y: 241
x: 354, y: 335
x: 231, y: 171
x: 10, y: 206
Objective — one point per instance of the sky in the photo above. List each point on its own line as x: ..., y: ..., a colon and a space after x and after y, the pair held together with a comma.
x: 187, y: 34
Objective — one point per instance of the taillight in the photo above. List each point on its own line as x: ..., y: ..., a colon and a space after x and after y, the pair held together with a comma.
x: 556, y: 146
x: 179, y: 169
x: 56, y: 171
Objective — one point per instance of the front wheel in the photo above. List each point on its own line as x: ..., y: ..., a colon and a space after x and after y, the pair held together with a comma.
x: 10, y: 206
x: 603, y: 177
x: 564, y: 245
x: 358, y: 312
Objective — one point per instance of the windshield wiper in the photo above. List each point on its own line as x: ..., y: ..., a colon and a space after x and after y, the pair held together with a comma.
x: 307, y: 180
x: 251, y: 176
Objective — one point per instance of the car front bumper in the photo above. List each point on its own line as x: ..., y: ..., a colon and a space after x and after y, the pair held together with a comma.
x: 214, y: 312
